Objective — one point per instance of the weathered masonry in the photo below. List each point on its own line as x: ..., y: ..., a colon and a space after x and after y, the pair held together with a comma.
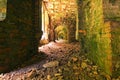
x: 21, y: 30
x: 19, y: 33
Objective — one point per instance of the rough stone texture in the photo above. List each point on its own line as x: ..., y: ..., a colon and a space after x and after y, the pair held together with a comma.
x: 55, y: 7
x: 111, y: 9
x: 61, y: 13
x: 94, y: 36
x: 20, y: 32
x: 17, y: 34
x: 115, y: 26
x: 51, y: 64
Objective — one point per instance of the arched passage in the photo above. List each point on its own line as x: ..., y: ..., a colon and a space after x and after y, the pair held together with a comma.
x: 59, y: 14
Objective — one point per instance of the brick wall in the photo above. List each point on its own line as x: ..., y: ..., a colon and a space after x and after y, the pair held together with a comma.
x: 18, y: 38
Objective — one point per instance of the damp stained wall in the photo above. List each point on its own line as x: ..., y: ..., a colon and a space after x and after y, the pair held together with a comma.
x: 19, y: 33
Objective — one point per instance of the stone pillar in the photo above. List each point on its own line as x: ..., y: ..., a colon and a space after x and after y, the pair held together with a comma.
x: 94, y: 35
x: 38, y: 19
x: 18, y: 40
x: 72, y: 33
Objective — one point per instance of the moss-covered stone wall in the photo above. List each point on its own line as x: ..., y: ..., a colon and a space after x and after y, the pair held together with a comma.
x: 18, y: 33
x: 94, y: 35
x: 115, y: 31
x: 62, y: 12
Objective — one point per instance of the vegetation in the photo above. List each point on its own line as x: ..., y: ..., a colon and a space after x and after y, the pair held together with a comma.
x: 94, y: 36
x: 115, y: 26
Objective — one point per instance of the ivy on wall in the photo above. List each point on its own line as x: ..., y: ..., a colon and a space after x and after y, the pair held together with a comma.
x: 94, y: 35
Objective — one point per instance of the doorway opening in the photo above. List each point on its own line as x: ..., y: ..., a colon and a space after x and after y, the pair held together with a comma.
x: 59, y: 21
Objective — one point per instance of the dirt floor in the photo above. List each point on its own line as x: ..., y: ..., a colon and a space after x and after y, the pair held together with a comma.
x: 60, y: 61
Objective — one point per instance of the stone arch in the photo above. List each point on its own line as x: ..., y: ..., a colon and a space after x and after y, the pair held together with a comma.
x: 61, y: 32
x: 55, y: 18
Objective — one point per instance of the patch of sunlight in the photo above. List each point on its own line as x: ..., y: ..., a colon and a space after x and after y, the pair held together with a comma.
x: 3, y: 6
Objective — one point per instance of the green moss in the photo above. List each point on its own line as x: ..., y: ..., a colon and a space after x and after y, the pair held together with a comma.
x: 115, y: 26
x: 94, y: 38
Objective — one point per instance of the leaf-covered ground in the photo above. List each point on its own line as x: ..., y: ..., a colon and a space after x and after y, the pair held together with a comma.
x: 60, y: 61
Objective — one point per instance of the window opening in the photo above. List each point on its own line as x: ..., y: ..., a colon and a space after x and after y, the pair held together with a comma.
x: 3, y: 7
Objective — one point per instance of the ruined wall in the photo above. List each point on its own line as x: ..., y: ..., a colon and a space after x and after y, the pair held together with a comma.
x: 63, y: 12
x: 115, y: 38
x: 18, y: 38
x: 94, y: 35
x: 112, y: 15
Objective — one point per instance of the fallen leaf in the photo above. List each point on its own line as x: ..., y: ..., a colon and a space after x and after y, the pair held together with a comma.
x: 83, y: 65
x: 51, y: 64
x: 48, y: 77
x: 74, y: 59
x: 57, y: 74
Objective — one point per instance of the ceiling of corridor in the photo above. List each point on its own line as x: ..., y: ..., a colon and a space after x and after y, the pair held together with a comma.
x: 60, y: 6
